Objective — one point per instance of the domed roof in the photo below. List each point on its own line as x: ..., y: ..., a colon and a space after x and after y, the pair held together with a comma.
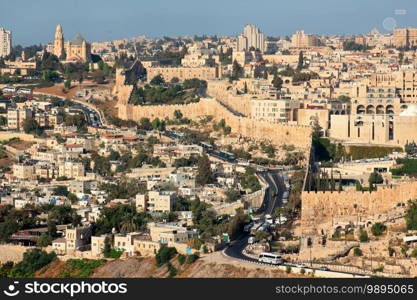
x: 411, y: 111
x: 78, y: 39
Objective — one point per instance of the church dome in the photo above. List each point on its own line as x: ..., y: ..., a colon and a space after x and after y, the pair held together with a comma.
x: 78, y: 39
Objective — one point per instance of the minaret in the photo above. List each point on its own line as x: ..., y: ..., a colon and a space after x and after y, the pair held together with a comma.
x: 59, y: 42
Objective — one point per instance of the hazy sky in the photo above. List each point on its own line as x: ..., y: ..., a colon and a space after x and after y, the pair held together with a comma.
x: 33, y: 21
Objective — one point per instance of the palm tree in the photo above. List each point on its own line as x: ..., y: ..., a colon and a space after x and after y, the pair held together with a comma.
x: 128, y: 225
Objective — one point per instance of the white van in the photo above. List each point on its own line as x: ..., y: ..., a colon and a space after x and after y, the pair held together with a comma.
x: 270, y: 258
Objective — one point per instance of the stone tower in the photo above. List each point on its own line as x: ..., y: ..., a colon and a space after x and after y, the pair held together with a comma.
x: 84, y: 51
x: 59, y: 42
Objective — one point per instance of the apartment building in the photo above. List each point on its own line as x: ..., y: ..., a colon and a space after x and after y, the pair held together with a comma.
x: 197, y: 57
x: 5, y: 42
x: 71, y: 169
x: 46, y: 170
x: 47, y: 119
x: 274, y: 110
x: 177, y: 150
x: 302, y: 40
x: 405, y: 37
x: 80, y: 187
x: 24, y: 171
x: 252, y: 37
x: 145, y: 174
x: 16, y: 117
x: 75, y: 239
x: 97, y: 245
x: 156, y: 201
x: 125, y: 242
x: 145, y: 246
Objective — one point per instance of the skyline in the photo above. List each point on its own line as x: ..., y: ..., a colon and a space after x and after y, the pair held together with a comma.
x: 97, y: 20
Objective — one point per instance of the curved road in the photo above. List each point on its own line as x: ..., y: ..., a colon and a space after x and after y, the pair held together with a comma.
x: 274, y: 192
x: 272, y: 200
x: 86, y: 107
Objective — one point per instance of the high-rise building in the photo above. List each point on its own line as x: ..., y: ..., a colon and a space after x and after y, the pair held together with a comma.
x: 5, y: 42
x: 302, y: 40
x: 252, y: 37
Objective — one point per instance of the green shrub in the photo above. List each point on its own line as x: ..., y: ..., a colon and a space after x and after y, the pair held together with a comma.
x: 336, y: 235
x: 363, y: 152
x: 409, y: 167
x: 378, y: 229
x: 363, y: 236
x: 164, y: 255
x: 172, y: 270
x: 33, y: 260
x: 5, y: 269
x: 411, y: 215
x: 302, y: 271
x: 113, y: 253
x: 81, y: 268
x: 357, y: 251
x: 181, y: 259
x: 414, y: 253
x: 288, y: 269
x: 192, y: 258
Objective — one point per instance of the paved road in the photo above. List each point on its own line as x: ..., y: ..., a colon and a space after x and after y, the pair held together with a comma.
x: 273, y: 194
x: 235, y: 250
x: 92, y: 114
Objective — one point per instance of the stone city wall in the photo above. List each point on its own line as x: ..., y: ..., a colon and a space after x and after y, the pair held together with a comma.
x: 242, y: 126
x: 323, y: 207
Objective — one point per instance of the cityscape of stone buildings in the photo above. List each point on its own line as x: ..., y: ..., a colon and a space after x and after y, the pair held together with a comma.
x: 252, y: 106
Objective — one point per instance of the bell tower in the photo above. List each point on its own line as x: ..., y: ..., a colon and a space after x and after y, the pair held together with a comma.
x: 59, y: 42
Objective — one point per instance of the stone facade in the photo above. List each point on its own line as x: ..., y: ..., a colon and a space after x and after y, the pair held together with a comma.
x: 75, y: 50
x: 323, y: 207
x: 183, y: 73
x: 5, y: 42
x: 405, y: 37
x: 243, y: 126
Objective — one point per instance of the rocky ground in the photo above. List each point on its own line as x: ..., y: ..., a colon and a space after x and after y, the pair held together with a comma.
x: 214, y: 265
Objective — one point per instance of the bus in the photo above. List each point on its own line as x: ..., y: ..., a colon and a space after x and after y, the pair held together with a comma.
x: 270, y: 258
x: 226, y: 155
